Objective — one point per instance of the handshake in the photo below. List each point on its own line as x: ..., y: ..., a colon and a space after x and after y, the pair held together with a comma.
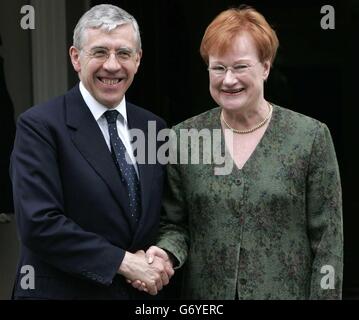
x: 147, y: 271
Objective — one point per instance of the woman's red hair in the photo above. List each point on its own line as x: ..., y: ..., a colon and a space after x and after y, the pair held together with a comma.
x: 220, y: 34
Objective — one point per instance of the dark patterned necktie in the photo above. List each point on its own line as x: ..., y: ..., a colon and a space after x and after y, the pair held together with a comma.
x: 127, y: 170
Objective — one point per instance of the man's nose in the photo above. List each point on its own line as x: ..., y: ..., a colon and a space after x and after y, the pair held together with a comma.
x: 112, y: 64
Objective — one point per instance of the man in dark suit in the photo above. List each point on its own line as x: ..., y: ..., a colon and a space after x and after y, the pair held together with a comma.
x: 85, y: 208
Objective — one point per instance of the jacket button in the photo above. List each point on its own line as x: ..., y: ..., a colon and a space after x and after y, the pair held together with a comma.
x: 238, y: 182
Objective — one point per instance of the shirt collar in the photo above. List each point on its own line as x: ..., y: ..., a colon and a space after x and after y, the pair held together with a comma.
x: 97, y: 109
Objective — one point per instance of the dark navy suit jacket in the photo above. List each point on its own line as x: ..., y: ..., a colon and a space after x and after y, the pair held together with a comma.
x: 71, y: 206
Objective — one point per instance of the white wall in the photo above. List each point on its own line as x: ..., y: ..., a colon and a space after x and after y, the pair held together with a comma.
x: 49, y: 50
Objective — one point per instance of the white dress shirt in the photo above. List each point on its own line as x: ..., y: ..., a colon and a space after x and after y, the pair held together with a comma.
x: 98, y: 110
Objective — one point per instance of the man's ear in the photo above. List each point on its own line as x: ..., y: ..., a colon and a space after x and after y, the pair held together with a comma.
x: 75, y: 58
x: 138, y: 58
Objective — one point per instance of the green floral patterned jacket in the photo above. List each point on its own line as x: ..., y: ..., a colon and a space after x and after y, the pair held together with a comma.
x: 272, y: 230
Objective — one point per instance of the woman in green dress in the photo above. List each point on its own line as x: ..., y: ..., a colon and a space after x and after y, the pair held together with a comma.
x: 272, y: 227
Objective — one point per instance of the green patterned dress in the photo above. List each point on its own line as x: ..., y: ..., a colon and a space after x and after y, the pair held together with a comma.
x: 271, y: 230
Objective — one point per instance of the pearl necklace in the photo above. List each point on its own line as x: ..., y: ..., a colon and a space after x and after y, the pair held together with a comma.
x: 252, y: 129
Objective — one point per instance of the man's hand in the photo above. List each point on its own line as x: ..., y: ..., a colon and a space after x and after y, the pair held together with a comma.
x: 151, y: 277
x: 156, y: 256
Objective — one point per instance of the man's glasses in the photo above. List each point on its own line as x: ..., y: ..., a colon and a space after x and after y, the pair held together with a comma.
x: 103, y: 54
x: 237, y: 69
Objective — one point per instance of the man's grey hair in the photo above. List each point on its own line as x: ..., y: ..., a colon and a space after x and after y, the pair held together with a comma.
x: 106, y: 17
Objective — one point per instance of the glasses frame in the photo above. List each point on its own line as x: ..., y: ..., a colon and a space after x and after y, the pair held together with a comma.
x: 103, y: 54
x: 221, y: 73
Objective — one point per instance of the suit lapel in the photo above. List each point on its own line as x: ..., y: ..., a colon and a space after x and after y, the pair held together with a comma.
x: 89, y: 140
